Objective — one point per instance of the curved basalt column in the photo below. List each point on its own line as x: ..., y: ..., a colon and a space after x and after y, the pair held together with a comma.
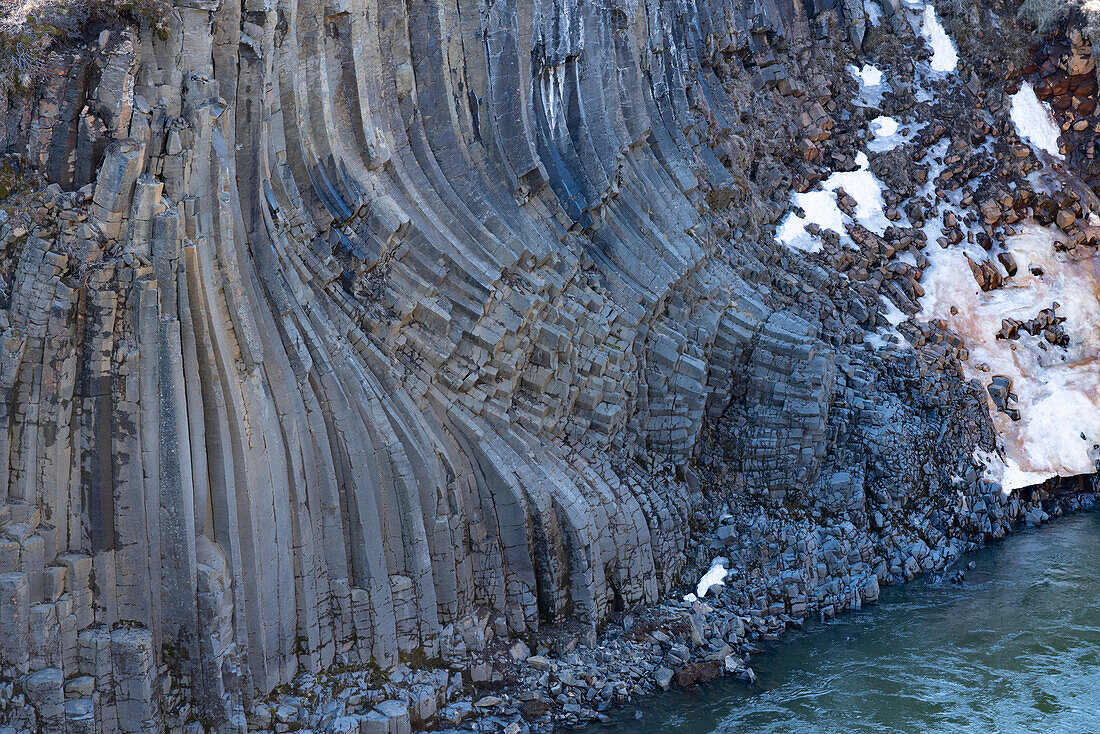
x: 371, y: 315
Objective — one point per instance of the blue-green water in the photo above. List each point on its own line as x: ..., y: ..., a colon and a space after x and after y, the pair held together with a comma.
x: 1016, y: 648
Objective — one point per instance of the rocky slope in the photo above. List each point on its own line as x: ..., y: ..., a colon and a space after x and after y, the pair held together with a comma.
x: 377, y: 348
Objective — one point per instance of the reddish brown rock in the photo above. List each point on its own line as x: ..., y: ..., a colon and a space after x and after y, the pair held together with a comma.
x: 986, y: 273
x: 703, y: 671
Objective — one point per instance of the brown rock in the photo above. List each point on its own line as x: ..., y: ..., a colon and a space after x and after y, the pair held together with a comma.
x: 991, y: 210
x: 1080, y: 61
x: 1059, y: 84
x: 986, y: 273
x: 809, y: 151
x: 1083, y: 85
x: 1064, y: 219
x: 1010, y: 329
x: 703, y: 671
x: 1044, y: 210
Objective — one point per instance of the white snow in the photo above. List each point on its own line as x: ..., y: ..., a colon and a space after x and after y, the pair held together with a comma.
x: 893, y: 314
x: 944, y: 57
x: 906, y: 257
x: 871, y: 85
x: 878, y: 339
x: 888, y: 336
x: 884, y: 126
x: 888, y: 134
x: 1034, y: 121
x: 1058, y: 389
x: 993, y: 466
x: 868, y: 75
x: 821, y: 208
x: 715, y: 576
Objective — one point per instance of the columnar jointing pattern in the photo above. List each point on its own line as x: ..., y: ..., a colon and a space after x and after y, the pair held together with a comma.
x: 372, y: 315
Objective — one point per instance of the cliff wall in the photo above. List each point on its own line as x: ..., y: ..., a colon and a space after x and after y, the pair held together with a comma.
x: 334, y: 329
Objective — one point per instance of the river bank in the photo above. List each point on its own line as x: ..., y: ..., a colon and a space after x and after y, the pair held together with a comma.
x: 680, y: 644
x: 567, y: 678
x: 1012, y: 648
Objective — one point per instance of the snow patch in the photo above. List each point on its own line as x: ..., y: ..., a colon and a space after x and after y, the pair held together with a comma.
x: 892, y: 313
x: 884, y: 126
x: 1034, y: 121
x: 871, y: 85
x: 994, y: 467
x: 944, y: 57
x: 868, y: 75
x: 888, y: 134
x: 715, y: 576
x: 888, y: 336
x: 821, y: 208
x: 906, y: 257
x: 1057, y: 389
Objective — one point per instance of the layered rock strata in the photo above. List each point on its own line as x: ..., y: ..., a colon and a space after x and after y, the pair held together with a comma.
x: 346, y: 335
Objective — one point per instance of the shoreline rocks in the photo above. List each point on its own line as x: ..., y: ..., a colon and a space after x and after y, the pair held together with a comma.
x: 675, y: 643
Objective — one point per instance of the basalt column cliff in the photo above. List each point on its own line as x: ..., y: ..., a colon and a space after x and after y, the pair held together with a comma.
x: 334, y: 330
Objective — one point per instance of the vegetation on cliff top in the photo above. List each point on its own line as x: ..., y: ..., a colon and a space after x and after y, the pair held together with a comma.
x: 30, y: 29
x: 1047, y: 16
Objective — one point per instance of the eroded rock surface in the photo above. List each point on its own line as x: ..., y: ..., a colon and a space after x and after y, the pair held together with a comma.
x: 362, y: 340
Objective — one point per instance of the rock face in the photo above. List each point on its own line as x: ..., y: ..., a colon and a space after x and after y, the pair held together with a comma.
x: 342, y: 328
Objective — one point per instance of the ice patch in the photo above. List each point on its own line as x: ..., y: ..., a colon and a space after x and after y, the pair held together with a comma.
x: 992, y: 464
x: 944, y: 57
x: 888, y: 336
x: 871, y: 86
x: 884, y: 127
x: 873, y: 11
x: 882, y: 338
x: 893, y: 314
x: 868, y: 75
x: 1034, y: 121
x: 906, y: 257
x: 821, y: 208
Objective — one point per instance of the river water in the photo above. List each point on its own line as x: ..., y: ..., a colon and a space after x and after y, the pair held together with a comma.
x: 1016, y: 648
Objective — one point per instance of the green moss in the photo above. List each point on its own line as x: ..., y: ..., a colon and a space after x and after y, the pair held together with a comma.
x: 418, y: 660
x: 11, y: 181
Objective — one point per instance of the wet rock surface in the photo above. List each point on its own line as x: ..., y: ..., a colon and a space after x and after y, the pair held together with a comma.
x: 416, y: 387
